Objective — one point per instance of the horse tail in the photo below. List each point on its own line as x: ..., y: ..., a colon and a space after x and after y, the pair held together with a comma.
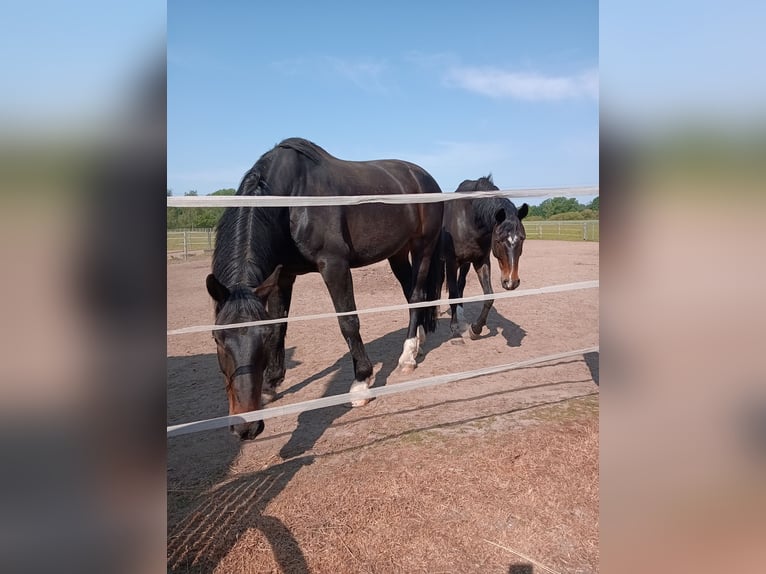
x: 434, y: 286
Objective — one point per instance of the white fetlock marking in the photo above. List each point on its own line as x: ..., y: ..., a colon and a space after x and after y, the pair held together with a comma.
x: 361, y: 386
x: 472, y: 335
x: 462, y: 327
x: 407, y: 359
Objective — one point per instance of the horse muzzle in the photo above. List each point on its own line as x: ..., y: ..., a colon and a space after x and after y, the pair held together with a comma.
x: 510, y: 285
x: 247, y: 431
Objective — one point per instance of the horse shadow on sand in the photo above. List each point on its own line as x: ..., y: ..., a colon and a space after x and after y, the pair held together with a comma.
x: 208, y: 514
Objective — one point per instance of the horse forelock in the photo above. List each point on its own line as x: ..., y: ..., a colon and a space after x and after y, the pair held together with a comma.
x: 242, y: 304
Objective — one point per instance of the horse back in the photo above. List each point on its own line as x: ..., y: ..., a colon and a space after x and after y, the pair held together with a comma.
x: 362, y: 234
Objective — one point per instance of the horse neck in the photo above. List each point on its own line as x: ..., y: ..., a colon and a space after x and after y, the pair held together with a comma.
x: 253, y: 247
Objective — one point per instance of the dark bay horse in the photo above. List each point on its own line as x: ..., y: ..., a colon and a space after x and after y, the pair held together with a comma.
x: 473, y: 229
x: 259, y: 252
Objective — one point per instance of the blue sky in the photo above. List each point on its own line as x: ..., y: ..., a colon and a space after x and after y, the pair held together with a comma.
x: 463, y: 89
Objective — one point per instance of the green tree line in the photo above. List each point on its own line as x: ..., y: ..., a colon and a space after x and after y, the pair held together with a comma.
x: 195, y: 217
x: 553, y: 208
x: 563, y: 209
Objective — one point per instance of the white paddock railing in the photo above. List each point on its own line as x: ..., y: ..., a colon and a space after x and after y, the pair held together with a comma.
x: 282, y: 201
x: 295, y: 408
x: 472, y: 299
x: 398, y: 199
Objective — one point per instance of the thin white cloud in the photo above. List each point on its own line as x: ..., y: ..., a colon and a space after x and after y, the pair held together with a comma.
x: 368, y: 75
x: 528, y: 86
x: 365, y: 74
x: 453, y: 161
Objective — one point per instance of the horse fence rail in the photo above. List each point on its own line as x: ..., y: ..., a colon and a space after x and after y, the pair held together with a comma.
x: 182, y: 244
x: 398, y: 199
x: 472, y: 299
x: 295, y: 408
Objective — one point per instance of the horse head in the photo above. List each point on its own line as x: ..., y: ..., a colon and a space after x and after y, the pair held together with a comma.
x: 242, y: 351
x: 508, y: 238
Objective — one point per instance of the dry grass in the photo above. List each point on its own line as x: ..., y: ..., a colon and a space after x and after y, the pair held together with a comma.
x: 427, y: 504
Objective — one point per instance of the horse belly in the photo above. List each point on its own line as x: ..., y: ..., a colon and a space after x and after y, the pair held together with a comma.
x: 376, y: 232
x: 361, y: 235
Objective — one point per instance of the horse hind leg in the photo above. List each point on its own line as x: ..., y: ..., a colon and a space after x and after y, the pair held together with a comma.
x: 416, y: 331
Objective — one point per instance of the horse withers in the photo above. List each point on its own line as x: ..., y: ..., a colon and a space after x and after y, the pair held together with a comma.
x: 260, y: 250
x: 472, y: 229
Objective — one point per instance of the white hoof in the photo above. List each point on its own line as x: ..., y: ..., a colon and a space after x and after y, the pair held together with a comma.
x: 407, y: 360
x: 361, y: 386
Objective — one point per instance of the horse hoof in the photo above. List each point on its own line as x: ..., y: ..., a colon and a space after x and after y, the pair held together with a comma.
x: 407, y: 368
x: 473, y: 334
x: 361, y: 386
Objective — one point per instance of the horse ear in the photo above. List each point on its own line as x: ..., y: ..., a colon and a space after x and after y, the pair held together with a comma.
x: 272, y: 282
x: 217, y: 290
x: 500, y: 216
x: 523, y: 210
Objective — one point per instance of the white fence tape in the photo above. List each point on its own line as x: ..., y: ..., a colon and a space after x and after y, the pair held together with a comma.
x: 303, y: 201
x: 271, y: 412
x: 472, y: 299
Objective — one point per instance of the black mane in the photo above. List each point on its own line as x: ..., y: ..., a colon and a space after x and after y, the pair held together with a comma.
x: 249, y: 239
x: 247, y: 243
x: 304, y: 147
x: 481, y: 184
x: 484, y: 209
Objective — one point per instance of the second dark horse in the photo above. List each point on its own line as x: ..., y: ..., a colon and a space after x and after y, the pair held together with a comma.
x: 473, y: 229
x: 260, y: 250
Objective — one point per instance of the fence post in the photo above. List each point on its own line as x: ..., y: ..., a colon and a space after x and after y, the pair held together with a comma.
x: 186, y: 247
x: 584, y: 230
x: 209, y: 240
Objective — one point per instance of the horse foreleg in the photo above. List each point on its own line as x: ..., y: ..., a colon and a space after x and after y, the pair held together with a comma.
x: 451, y: 276
x: 483, y: 271
x: 278, y: 307
x: 458, y: 317
x: 337, y: 278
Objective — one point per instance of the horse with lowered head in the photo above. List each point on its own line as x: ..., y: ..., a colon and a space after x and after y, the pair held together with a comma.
x: 473, y: 229
x: 260, y: 250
